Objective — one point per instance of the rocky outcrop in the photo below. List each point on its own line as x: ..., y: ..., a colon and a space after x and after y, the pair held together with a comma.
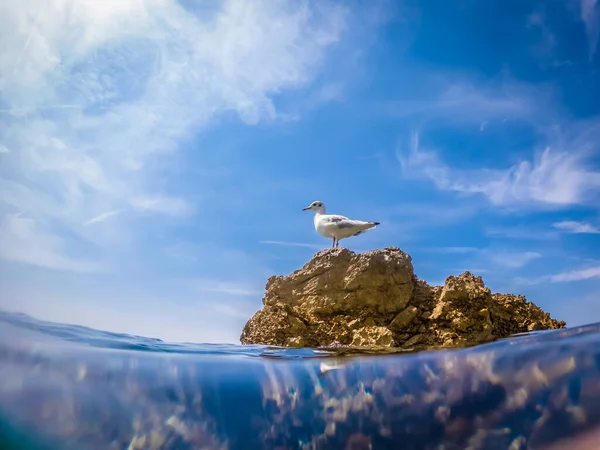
x: 375, y: 299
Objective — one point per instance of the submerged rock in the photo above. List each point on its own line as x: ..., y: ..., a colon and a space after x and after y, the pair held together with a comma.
x: 375, y: 299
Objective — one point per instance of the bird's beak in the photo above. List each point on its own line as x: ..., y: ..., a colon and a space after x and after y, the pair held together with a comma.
x: 304, y: 209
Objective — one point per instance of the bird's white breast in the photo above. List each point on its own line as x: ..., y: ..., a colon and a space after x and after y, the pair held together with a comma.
x: 321, y: 226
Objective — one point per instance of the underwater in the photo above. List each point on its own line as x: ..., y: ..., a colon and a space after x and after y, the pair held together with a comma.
x: 71, y: 387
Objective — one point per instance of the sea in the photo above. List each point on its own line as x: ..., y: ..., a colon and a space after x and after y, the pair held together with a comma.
x: 70, y: 387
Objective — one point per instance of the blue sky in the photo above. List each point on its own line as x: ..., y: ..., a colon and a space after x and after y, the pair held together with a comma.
x: 155, y: 156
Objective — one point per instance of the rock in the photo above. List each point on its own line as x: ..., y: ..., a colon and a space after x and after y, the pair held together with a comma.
x: 413, y: 341
x: 353, y: 324
x: 296, y: 342
x: 338, y: 280
x: 375, y: 299
x: 404, y: 318
x: 275, y: 325
x: 464, y: 289
x: 369, y: 322
x: 372, y: 336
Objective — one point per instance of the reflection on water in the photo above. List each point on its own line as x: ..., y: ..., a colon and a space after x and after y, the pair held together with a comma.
x: 67, y: 387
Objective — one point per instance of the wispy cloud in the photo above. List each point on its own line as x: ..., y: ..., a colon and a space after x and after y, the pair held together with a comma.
x: 520, y: 232
x: 461, y: 102
x: 229, y: 288
x: 553, y: 177
x: 572, y: 226
x: 417, y: 215
x: 586, y: 273
x: 102, y: 217
x: 513, y: 260
x: 485, y: 260
x: 590, y: 14
x: 292, y: 244
x: 162, y: 204
x: 575, y: 275
x: 94, y: 94
x: 232, y: 311
x: 181, y: 251
x: 22, y: 240
x: 459, y: 250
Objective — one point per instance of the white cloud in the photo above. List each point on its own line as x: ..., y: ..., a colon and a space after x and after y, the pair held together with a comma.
x: 292, y: 244
x: 22, y: 240
x: 461, y: 102
x: 162, y: 204
x: 575, y: 275
x: 232, y: 289
x: 230, y: 271
x: 216, y: 286
x: 520, y: 232
x: 93, y: 93
x: 586, y: 273
x: 480, y: 258
x: 232, y: 311
x: 102, y: 217
x: 590, y: 14
x: 513, y: 260
x: 572, y: 226
x: 554, y: 177
x: 455, y: 250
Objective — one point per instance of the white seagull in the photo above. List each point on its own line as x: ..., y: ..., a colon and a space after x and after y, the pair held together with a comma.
x: 334, y: 226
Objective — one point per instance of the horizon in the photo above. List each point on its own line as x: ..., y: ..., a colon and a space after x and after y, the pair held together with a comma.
x: 155, y: 157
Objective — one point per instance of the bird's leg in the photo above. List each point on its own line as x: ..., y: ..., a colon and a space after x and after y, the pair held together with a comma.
x: 333, y: 243
x: 337, y: 243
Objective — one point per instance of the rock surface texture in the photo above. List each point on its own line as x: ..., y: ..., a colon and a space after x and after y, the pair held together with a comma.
x: 374, y: 299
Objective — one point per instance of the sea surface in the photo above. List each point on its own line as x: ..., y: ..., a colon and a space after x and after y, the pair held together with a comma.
x: 71, y: 387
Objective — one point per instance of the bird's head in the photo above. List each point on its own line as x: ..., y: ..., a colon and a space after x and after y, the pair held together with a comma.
x: 316, y: 206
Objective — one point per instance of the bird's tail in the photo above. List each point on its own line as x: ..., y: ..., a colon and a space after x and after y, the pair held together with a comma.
x: 367, y: 227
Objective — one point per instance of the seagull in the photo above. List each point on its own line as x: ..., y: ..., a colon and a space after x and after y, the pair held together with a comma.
x: 334, y: 226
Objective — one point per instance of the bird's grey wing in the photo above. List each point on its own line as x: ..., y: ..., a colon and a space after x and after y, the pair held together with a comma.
x: 334, y: 218
x: 338, y: 221
x: 344, y: 222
